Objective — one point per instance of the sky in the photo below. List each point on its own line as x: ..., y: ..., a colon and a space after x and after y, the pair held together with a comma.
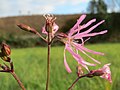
x: 30, y: 7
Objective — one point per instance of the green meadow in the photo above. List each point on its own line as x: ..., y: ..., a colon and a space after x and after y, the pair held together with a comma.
x: 30, y: 66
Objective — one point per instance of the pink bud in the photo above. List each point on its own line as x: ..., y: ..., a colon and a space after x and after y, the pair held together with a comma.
x: 103, y: 72
x: 6, y: 51
x: 27, y: 28
x: 61, y: 35
x: 79, y: 71
x: 97, y: 72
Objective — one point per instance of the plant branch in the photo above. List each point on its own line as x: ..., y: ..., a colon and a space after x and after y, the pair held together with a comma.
x: 52, y: 40
x: 70, y: 88
x: 41, y: 36
x: 18, y: 80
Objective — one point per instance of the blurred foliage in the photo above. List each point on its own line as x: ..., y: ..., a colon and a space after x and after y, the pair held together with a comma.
x: 18, y: 42
x: 92, y: 6
x: 101, y: 7
x: 30, y: 66
x: 97, y: 6
x: 15, y: 37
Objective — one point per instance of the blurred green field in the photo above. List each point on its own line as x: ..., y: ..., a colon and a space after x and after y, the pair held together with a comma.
x: 30, y: 66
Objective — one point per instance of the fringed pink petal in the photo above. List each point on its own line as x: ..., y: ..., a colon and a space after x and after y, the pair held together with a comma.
x: 77, y: 24
x: 80, y: 27
x: 76, y: 31
x: 89, y: 35
x: 85, y: 66
x: 89, y: 23
x: 85, y: 41
x: 91, y: 51
x: 78, y: 58
x: 86, y: 63
x: 55, y: 28
x: 107, y: 72
x: 93, y: 27
x: 106, y: 68
x: 86, y: 25
x: 94, y: 34
x: 77, y: 47
x: 82, y: 17
x: 68, y: 48
x: 44, y: 30
x: 66, y: 64
x: 91, y: 58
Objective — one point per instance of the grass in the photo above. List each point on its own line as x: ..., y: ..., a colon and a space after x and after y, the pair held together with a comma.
x: 30, y: 66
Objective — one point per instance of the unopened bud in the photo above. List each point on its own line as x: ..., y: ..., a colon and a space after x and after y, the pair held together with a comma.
x: 5, y: 58
x: 103, y: 72
x: 95, y: 73
x: 3, y: 67
x: 61, y: 35
x: 50, y: 20
x: 27, y: 28
x: 79, y: 71
x: 6, y: 51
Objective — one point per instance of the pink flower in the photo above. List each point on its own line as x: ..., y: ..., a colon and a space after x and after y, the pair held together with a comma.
x: 50, y: 25
x: 103, y: 72
x: 72, y: 44
x: 55, y: 28
x: 107, y: 73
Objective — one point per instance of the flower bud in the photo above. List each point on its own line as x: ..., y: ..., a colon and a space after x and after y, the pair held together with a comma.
x: 3, y: 67
x: 50, y: 23
x: 79, y: 71
x: 6, y: 51
x: 5, y: 58
x: 103, y: 72
x: 61, y: 36
x: 97, y: 72
x: 27, y: 28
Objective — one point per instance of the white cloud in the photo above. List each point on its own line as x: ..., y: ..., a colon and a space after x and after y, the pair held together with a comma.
x: 75, y: 2
x: 3, y: 7
x: 44, y: 9
x: 61, y: 2
x: 12, y: 7
x: 110, y: 10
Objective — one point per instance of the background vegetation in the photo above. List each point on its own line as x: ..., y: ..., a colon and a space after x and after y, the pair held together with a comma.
x: 15, y: 37
x: 31, y: 68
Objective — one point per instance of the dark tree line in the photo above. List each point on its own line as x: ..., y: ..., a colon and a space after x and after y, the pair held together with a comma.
x: 100, y: 6
x: 97, y: 6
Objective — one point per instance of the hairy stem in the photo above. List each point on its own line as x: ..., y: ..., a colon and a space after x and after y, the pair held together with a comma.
x: 70, y: 88
x: 18, y: 80
x: 48, y: 63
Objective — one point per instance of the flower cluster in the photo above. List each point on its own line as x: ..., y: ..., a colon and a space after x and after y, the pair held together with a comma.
x: 74, y: 42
